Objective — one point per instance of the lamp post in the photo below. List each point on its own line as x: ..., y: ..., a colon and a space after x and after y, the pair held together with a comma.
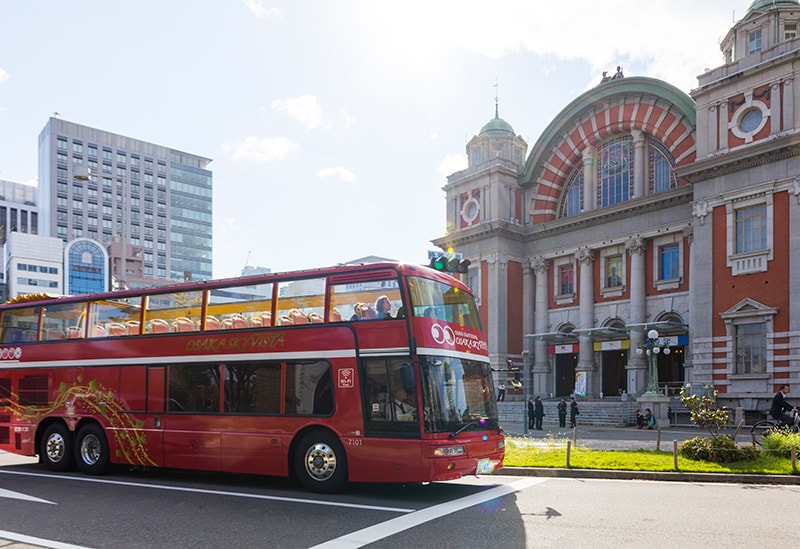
x: 85, y: 174
x: 652, y: 346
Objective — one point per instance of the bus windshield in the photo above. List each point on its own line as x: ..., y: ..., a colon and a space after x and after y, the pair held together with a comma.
x: 456, y: 392
x: 439, y: 301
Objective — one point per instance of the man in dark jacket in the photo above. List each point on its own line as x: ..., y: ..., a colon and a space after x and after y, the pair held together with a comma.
x: 538, y: 412
x: 780, y: 407
x: 573, y: 412
x: 531, y: 413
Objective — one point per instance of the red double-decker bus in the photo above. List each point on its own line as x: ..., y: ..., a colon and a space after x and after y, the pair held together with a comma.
x: 365, y: 373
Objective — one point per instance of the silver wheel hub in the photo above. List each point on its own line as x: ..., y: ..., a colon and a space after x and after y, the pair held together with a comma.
x: 320, y: 461
x: 90, y: 449
x: 55, y: 448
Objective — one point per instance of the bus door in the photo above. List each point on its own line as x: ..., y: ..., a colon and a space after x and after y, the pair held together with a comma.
x: 191, y: 422
x: 154, y: 417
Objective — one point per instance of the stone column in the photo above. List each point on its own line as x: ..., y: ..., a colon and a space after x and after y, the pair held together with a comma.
x: 542, y: 378
x: 637, y: 364
x: 589, y: 179
x: 639, y: 164
x: 688, y: 360
x: 586, y: 363
x: 497, y: 309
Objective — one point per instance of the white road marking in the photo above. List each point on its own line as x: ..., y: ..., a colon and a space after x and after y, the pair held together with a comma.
x: 30, y: 540
x: 405, y: 522
x: 24, y: 497
x: 213, y: 492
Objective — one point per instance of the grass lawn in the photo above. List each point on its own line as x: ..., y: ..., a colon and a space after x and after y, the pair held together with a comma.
x: 524, y: 452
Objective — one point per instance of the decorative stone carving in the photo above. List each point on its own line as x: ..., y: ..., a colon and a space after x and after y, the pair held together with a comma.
x: 585, y: 256
x: 636, y: 245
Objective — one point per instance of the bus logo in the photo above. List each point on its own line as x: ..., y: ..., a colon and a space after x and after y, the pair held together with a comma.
x: 10, y: 353
x: 346, y: 378
x: 443, y: 334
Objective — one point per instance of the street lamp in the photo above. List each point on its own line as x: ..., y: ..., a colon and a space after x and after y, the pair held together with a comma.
x: 652, y: 346
x: 85, y: 174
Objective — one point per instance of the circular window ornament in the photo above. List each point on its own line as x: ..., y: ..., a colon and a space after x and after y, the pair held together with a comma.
x: 751, y: 120
x: 470, y: 210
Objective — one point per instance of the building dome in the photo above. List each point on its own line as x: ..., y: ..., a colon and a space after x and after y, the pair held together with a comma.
x: 766, y: 4
x: 497, y: 126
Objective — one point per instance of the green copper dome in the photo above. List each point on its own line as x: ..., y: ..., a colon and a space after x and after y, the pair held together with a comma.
x: 766, y: 4
x: 497, y: 126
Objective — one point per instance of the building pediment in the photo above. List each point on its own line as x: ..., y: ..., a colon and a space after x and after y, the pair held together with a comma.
x: 748, y: 308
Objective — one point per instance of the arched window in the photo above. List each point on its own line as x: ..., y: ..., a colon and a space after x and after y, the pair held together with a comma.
x: 572, y: 201
x: 615, y: 172
x: 614, y: 175
x: 662, y: 168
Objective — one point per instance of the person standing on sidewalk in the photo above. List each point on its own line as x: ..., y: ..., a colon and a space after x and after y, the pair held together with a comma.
x: 501, y: 392
x: 573, y: 412
x: 531, y: 413
x: 562, y: 413
x: 538, y: 412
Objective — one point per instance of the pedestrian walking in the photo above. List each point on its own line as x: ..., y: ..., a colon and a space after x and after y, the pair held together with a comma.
x: 573, y: 412
x: 531, y: 413
x: 501, y: 392
x: 538, y: 412
x: 562, y: 413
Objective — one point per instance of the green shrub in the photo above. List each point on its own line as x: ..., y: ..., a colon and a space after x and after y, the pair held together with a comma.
x: 719, y: 449
x: 779, y: 442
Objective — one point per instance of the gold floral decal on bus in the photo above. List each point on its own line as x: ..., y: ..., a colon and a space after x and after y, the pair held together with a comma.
x: 252, y: 342
x: 81, y: 400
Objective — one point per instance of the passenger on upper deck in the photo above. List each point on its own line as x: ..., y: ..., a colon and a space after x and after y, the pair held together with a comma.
x: 382, y: 308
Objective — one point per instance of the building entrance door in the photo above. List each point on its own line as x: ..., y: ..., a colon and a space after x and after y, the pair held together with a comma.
x: 565, y: 373
x: 615, y: 378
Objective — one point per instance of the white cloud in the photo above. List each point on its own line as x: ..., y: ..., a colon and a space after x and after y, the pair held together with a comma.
x: 451, y: 164
x: 348, y: 119
x: 262, y: 11
x: 304, y: 109
x: 339, y: 172
x: 3, y: 75
x: 260, y: 149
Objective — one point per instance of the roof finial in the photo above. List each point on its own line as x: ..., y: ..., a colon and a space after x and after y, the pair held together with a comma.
x: 496, y: 107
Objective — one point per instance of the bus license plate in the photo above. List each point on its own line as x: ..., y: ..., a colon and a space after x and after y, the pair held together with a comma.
x: 485, y: 466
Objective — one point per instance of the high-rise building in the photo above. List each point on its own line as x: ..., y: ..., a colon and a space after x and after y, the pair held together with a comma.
x: 150, y: 206
x: 18, y: 213
x: 649, y: 239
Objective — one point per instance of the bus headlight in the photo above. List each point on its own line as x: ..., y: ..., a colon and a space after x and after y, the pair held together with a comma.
x: 448, y: 451
x: 501, y: 444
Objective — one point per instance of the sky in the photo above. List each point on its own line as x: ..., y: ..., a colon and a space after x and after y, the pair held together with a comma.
x: 332, y: 124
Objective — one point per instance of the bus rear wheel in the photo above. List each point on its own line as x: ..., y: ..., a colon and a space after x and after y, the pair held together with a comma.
x: 91, y: 450
x: 56, y: 448
x: 320, y: 463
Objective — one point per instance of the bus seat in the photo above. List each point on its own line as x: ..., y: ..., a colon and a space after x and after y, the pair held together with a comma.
x: 114, y: 329
x: 239, y: 321
x: 74, y: 332
x: 336, y: 316
x: 315, y: 318
x: 266, y: 319
x: 298, y: 316
x: 55, y: 333
x: 157, y: 326
x: 212, y: 323
x: 99, y: 331
x: 134, y: 327
x: 183, y: 324
x: 255, y: 321
x: 285, y: 321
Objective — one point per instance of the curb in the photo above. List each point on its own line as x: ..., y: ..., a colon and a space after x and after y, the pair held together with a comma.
x: 670, y: 476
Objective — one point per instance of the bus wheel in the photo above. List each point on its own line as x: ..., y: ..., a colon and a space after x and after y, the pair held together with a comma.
x: 56, y: 448
x: 320, y: 463
x: 91, y: 450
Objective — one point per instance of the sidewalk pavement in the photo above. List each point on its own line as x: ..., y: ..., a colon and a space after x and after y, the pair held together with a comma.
x: 630, y: 438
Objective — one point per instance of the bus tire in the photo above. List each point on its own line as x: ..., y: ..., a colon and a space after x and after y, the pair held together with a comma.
x: 56, y: 447
x: 320, y: 463
x: 91, y: 450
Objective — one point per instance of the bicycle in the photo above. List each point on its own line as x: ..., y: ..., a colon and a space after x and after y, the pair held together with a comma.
x: 766, y: 426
